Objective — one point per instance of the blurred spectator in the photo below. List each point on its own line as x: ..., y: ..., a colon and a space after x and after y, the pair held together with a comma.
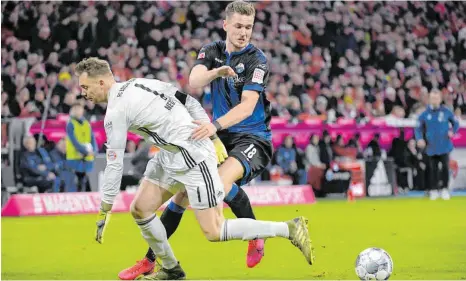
x: 66, y: 176
x: 33, y: 170
x: 139, y: 161
x: 355, y: 60
x: 290, y: 160
x: 344, y: 57
x: 80, y: 146
x: 313, y: 153
x: 398, y: 153
x: 130, y: 147
x: 355, y: 142
x: 417, y: 161
x: 373, y: 148
x: 325, y: 149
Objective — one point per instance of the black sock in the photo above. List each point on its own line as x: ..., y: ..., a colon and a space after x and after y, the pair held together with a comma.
x: 170, y: 219
x: 150, y: 255
x: 240, y: 205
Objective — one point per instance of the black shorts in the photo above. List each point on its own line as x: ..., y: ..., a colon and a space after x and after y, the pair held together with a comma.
x: 253, y: 152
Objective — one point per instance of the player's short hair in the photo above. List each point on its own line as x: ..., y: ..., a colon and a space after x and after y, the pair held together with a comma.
x: 240, y: 7
x: 93, y: 67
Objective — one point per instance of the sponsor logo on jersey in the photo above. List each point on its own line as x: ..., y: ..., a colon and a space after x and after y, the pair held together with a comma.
x: 262, y: 66
x: 218, y: 60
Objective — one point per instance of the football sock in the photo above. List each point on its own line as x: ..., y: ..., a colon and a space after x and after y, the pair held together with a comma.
x: 171, y: 218
x: 249, y: 229
x: 239, y: 203
x: 154, y: 233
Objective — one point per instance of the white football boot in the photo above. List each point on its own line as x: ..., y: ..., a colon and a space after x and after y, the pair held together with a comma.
x: 434, y: 194
x: 445, y: 194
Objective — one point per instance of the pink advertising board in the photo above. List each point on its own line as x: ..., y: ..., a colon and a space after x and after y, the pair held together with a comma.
x: 56, y: 129
x: 84, y: 203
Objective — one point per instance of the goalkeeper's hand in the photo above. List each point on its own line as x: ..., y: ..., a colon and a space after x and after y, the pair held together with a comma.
x: 103, y: 219
x: 220, y: 149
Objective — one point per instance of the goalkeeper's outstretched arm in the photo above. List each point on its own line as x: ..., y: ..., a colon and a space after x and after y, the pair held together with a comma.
x: 116, y: 130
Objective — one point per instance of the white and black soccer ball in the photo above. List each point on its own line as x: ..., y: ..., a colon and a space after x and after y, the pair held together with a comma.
x: 374, y: 264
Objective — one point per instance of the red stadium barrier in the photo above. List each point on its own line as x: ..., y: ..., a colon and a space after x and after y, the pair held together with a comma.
x: 82, y: 203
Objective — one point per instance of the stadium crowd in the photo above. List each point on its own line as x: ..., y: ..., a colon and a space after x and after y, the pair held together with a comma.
x: 332, y: 59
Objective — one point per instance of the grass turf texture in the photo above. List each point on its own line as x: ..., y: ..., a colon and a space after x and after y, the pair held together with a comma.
x: 425, y: 239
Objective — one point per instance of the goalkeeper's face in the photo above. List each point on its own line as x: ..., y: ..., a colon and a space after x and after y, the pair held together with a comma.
x: 239, y: 29
x: 93, y: 88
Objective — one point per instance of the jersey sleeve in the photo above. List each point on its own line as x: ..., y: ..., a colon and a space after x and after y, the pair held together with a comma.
x: 194, y: 108
x: 257, y: 75
x: 116, y: 129
x: 206, y: 56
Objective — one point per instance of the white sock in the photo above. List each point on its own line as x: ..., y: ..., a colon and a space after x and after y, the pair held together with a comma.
x: 249, y: 229
x: 155, y: 234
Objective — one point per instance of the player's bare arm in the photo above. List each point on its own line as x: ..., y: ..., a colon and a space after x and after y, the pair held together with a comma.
x: 237, y: 114
x: 200, y: 76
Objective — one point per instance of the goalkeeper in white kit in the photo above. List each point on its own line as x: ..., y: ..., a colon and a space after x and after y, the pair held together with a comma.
x: 164, y: 116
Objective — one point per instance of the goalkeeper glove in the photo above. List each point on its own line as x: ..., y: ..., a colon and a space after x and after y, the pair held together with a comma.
x: 103, y: 219
x: 220, y: 149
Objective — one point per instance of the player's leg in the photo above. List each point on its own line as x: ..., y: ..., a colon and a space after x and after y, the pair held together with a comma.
x: 206, y: 195
x: 434, y: 177
x: 155, y: 189
x: 148, y: 199
x: 171, y: 217
x: 248, y: 157
x: 445, y: 175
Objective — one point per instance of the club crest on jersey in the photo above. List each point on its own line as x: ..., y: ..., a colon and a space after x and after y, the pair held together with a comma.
x: 239, y: 68
x: 111, y: 155
x: 201, y: 55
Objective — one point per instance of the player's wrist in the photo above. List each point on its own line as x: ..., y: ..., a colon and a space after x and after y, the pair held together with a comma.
x: 217, y: 125
x: 214, y: 137
x: 105, y: 207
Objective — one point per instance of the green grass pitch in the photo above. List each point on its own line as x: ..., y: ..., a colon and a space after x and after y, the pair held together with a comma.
x: 427, y: 240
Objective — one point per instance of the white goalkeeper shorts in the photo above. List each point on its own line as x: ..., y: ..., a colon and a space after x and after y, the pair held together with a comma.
x: 202, y: 183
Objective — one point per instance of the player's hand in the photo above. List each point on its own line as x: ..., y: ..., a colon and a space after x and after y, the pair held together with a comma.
x: 225, y: 71
x: 450, y: 134
x: 421, y: 143
x: 204, y: 131
x: 103, y: 219
x: 220, y: 149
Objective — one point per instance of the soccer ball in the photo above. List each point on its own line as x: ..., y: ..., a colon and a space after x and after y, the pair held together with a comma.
x: 374, y: 264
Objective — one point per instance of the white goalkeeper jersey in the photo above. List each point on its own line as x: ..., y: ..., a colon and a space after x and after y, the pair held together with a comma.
x: 159, y: 113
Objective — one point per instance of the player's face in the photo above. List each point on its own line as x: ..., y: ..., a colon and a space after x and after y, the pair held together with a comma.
x: 239, y: 29
x: 93, y: 89
x: 435, y: 99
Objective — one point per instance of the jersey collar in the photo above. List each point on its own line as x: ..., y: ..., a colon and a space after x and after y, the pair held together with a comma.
x: 249, y: 46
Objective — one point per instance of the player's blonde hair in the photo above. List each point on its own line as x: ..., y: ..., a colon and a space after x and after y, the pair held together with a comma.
x: 240, y: 7
x: 93, y: 67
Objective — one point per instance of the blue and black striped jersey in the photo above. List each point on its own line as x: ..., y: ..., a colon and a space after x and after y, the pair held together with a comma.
x: 250, y: 64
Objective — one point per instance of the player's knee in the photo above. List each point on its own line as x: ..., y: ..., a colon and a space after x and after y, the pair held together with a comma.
x: 212, y: 234
x: 181, y: 199
x: 137, y: 210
